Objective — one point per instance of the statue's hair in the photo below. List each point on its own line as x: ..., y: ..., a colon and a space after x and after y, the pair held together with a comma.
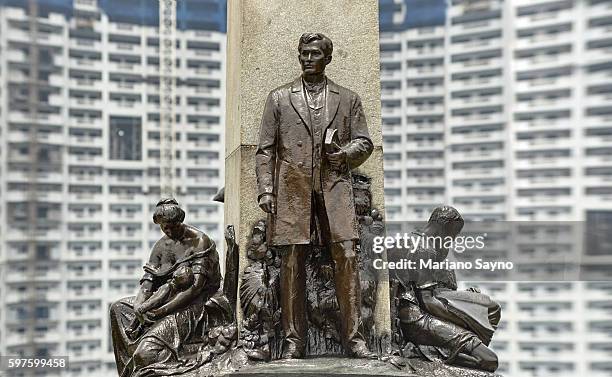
x: 326, y: 44
x: 168, y: 211
x: 447, y: 216
x: 259, y: 227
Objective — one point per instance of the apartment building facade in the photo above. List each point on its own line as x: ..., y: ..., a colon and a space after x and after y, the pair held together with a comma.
x: 501, y: 109
x: 80, y: 161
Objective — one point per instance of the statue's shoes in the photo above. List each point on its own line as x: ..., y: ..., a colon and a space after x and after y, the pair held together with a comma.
x: 361, y: 351
x: 291, y: 351
x: 258, y: 355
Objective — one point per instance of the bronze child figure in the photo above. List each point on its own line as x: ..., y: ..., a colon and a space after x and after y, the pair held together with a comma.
x: 182, y: 279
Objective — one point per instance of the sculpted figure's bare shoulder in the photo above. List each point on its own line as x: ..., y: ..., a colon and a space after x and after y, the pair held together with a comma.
x: 198, y: 239
x: 157, y: 251
x: 205, y: 241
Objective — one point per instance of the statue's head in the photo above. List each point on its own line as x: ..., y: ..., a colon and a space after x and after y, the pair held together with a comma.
x: 169, y: 216
x: 256, y: 247
x: 315, y: 53
x: 362, y: 194
x: 446, y: 220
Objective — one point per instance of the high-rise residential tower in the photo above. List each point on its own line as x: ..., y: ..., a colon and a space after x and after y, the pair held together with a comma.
x: 80, y: 161
x: 502, y: 109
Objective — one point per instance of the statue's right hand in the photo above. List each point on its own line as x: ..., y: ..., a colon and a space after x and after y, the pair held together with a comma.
x: 267, y: 203
x: 139, y: 314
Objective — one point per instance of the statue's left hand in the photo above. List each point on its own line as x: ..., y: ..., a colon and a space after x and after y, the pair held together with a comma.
x: 337, y: 160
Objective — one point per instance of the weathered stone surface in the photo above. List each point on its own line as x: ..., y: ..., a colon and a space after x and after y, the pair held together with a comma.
x: 237, y: 362
x: 240, y: 205
x: 262, y: 55
x: 345, y: 367
x: 327, y: 366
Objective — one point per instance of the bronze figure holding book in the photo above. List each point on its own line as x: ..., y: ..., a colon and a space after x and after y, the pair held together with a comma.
x: 305, y: 186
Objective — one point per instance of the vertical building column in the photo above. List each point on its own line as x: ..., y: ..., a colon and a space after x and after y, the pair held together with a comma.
x: 262, y: 55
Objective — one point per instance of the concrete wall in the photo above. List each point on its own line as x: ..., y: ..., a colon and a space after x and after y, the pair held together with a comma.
x: 262, y: 55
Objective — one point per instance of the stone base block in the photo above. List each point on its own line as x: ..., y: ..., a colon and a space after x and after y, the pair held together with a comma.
x: 345, y: 367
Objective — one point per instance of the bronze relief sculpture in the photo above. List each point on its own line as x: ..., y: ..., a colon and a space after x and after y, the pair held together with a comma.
x: 308, y: 287
x: 261, y: 290
x: 307, y: 189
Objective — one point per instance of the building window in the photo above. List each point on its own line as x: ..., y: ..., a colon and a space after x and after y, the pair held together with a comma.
x: 42, y: 252
x: 42, y: 352
x: 125, y: 138
x: 42, y: 312
x: 598, y: 232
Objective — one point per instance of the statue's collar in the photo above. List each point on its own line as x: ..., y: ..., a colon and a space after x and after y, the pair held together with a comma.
x: 296, y: 86
x: 314, y: 87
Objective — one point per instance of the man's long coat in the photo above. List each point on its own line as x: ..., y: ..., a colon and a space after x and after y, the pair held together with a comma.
x: 285, y: 165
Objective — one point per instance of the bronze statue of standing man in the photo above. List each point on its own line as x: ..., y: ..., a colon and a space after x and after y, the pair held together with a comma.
x: 313, y: 132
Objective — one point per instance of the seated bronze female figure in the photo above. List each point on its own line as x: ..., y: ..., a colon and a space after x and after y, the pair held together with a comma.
x: 180, y: 320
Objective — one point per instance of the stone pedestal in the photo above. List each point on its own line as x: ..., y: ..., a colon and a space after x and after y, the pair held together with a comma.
x: 262, y: 55
x: 343, y: 367
x: 323, y: 367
